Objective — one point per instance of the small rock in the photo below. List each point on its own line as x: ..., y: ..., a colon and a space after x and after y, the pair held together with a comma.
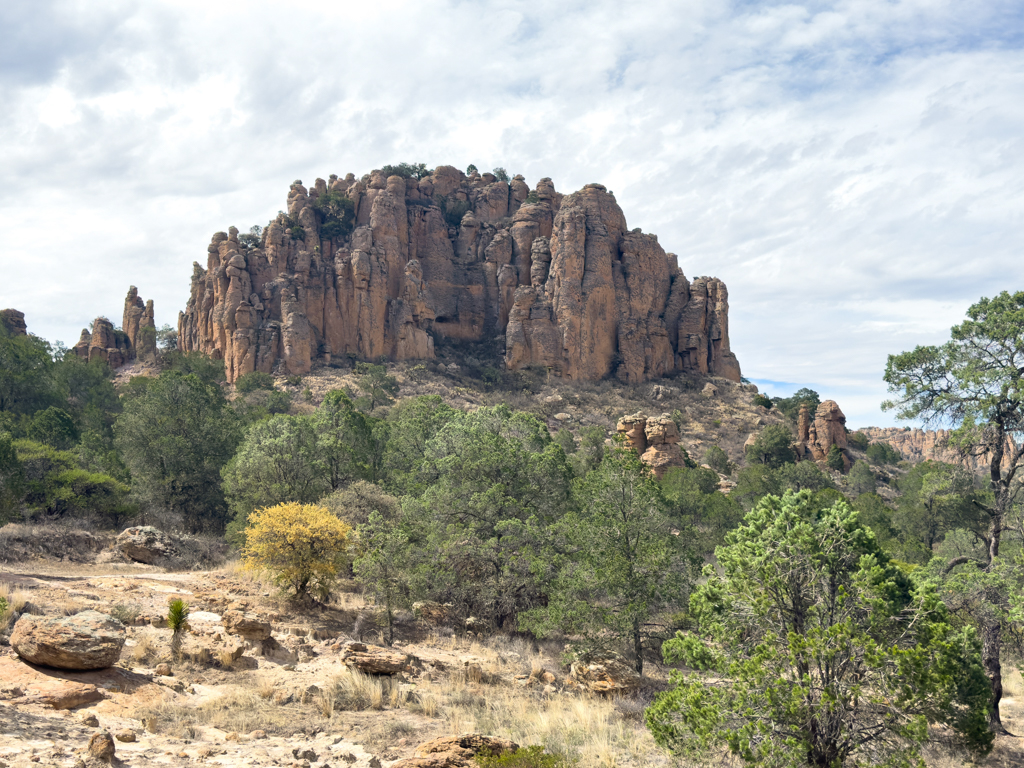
x: 233, y: 736
x: 710, y: 390
x: 126, y: 736
x: 548, y: 678
x: 562, y: 416
x: 101, y: 746
x: 89, y: 720
x: 258, y: 734
x: 304, y: 754
x: 164, y: 670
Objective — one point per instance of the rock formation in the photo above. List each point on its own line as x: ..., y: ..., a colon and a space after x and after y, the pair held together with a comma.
x: 13, y: 321
x: 558, y: 281
x: 87, y: 640
x: 656, y: 439
x: 104, y: 342
x: 917, y: 445
x: 139, y: 325
x: 815, y: 438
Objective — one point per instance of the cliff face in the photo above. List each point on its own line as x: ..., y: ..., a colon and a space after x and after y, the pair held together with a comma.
x: 558, y: 280
x: 919, y: 445
x: 135, y: 339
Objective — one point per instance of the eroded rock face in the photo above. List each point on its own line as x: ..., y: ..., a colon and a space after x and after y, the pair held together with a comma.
x: 105, y: 343
x: 13, y: 321
x: 139, y: 325
x: 828, y: 428
x: 918, y: 445
x: 609, y: 675
x: 561, y: 281
x: 656, y: 439
x: 373, y: 659
x: 87, y: 640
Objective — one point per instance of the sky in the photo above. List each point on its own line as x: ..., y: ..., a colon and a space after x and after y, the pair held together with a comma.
x: 854, y: 171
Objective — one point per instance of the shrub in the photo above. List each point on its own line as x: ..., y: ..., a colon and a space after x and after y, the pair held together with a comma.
x: 177, y: 621
x: 834, y: 459
x: 452, y: 209
x: 882, y: 453
x: 471, y: 169
x: 338, y: 214
x: 532, y: 197
x: 524, y: 757
x: 858, y: 440
x: 54, y: 427
x: 304, y: 545
x: 790, y: 406
x: 293, y: 381
x: 126, y: 613
x: 718, y: 460
x: 500, y: 174
x: 250, y: 382
x: 252, y: 238
x: 407, y: 170
x: 298, y: 232
x: 762, y: 400
x: 772, y: 447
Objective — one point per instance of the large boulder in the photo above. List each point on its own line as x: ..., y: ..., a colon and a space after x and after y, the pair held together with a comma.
x: 146, y: 544
x: 373, y: 659
x: 87, y: 640
x: 456, y: 751
x: 608, y: 675
x: 247, y: 625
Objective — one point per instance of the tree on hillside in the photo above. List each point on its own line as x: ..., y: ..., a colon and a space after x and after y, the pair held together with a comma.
x: 975, y: 384
x: 790, y: 406
x: 772, y: 447
x: 936, y: 498
x: 278, y: 461
x: 378, y: 387
x: 12, y: 479
x: 351, y: 443
x: 820, y: 651
x: 175, y: 434
x: 622, y: 563
x: 27, y: 381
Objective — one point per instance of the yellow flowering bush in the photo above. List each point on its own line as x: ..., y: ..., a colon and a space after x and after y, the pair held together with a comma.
x: 303, y: 545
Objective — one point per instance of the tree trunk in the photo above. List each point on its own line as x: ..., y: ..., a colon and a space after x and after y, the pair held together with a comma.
x: 638, y: 647
x: 990, y: 647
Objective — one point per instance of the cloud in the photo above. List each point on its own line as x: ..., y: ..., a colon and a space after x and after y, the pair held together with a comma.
x: 851, y: 169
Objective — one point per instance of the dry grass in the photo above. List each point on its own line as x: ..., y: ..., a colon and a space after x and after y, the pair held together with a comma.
x: 350, y: 690
x: 146, y: 648
x: 16, y: 601
x: 1013, y: 683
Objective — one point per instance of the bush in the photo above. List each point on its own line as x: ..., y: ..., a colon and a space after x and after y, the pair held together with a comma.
x: 834, y: 459
x: 252, y: 238
x: 501, y: 174
x: 250, y: 382
x: 772, y: 447
x: 532, y: 197
x: 883, y: 453
x: 857, y: 440
x: 293, y: 381
x: 304, y: 545
x: 762, y: 400
x: 452, y: 209
x: 524, y: 757
x: 54, y: 427
x: 790, y: 406
x: 407, y: 170
x: 862, y: 479
x: 718, y: 460
x: 471, y: 169
x: 338, y: 215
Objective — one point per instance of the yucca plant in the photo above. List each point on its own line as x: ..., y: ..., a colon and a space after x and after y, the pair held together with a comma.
x: 177, y: 620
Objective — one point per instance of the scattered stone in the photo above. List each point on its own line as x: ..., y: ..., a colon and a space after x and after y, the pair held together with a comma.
x: 89, y: 720
x: 455, y: 751
x: 562, y: 416
x: 373, y: 659
x: 126, y: 736
x: 604, y: 675
x: 87, y: 640
x: 247, y: 625
x: 258, y: 734
x: 101, y: 746
x: 164, y: 670
x: 710, y: 390
x: 146, y: 544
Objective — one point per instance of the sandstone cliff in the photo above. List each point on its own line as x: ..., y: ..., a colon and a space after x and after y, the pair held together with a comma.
x: 555, y: 281
x: 136, y: 339
x: 920, y: 445
x: 815, y: 437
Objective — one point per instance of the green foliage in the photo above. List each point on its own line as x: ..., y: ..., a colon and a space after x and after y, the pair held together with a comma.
x: 356, y: 502
x: 54, y: 427
x: 621, y: 563
x: 493, y: 481
x: 278, y: 460
x: 383, y: 566
x: 259, y: 405
x: 208, y: 370
x: 253, y: 381
x: 27, y: 376
x: 772, y: 447
x: 337, y: 215
x: 862, y: 479
x: 857, y: 440
x: 471, y: 169
x: 882, y: 453
x: 177, y: 621
x: 175, y: 436
x: 718, y: 460
x: 452, y: 209
x: 251, y: 239
x: 820, y: 651
x: 293, y: 381
x: 762, y: 400
x: 407, y: 170
x: 351, y: 444
x: 696, y: 505
x: 804, y: 475
x: 501, y: 174
x: 525, y: 757
x: 377, y: 386
x: 532, y: 197
x: 411, y: 424
x: 126, y: 613
x: 834, y: 459
x: 12, y: 479
x: 790, y: 406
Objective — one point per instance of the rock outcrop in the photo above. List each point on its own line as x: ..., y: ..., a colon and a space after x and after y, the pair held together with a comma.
x: 610, y: 675
x: 558, y: 281
x: 87, y: 640
x: 456, y: 751
x: 916, y: 445
x: 13, y: 321
x: 815, y: 438
x: 373, y: 659
x: 139, y: 325
x: 106, y: 343
x: 656, y: 439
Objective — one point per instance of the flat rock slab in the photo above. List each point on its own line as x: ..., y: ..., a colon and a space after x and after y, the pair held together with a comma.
x: 23, y: 684
x: 87, y: 640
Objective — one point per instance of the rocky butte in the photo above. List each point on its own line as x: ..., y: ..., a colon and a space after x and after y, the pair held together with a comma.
x: 388, y: 266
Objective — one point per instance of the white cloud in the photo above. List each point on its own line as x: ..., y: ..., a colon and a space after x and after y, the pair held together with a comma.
x: 851, y: 169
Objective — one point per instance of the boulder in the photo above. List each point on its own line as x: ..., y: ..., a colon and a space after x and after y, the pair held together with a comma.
x: 146, y: 544
x: 87, y: 640
x: 373, y: 659
x: 610, y: 675
x: 247, y: 625
x: 456, y: 751
x: 13, y: 321
x: 101, y: 746
x: 23, y: 684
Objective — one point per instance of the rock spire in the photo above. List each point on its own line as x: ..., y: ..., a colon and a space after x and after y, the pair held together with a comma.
x: 556, y: 280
